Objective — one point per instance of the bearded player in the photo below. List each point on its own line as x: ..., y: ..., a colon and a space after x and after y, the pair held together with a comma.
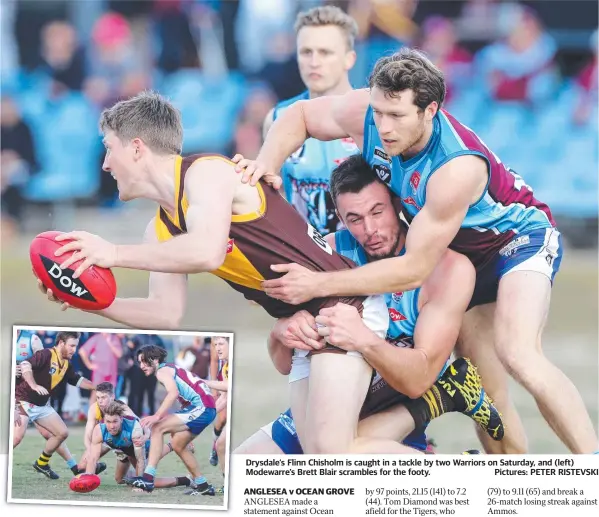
x: 41, y: 374
x: 208, y: 220
x: 456, y: 193
x: 198, y: 411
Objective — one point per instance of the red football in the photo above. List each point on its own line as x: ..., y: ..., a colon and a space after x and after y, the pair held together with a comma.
x: 84, y: 483
x: 95, y: 289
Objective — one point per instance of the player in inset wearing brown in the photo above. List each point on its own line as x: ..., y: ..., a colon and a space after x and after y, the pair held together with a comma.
x: 209, y: 221
x: 41, y: 374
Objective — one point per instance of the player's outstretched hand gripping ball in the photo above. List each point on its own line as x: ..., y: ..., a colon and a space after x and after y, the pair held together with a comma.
x: 84, y: 483
x: 95, y: 289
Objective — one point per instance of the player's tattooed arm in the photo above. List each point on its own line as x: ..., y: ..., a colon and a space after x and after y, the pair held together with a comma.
x: 95, y: 451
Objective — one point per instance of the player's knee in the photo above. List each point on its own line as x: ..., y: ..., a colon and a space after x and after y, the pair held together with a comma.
x: 178, y: 447
x: 62, y: 435
x: 520, y: 362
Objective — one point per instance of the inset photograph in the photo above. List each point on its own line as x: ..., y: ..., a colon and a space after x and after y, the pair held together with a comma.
x: 120, y: 418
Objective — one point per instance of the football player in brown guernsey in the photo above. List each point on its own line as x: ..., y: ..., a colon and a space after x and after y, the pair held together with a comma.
x: 207, y: 220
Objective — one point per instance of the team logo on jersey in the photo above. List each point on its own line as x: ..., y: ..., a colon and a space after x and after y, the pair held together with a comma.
x: 395, y: 315
x: 396, y: 297
x: 383, y: 172
x: 415, y: 180
x: 297, y: 155
x: 349, y: 144
x: 24, y: 354
x: 378, y: 152
x: 53, y: 368
x: 230, y: 245
x: 410, y: 201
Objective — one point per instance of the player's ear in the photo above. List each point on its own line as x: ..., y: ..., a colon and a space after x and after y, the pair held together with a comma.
x: 138, y: 148
x: 350, y: 59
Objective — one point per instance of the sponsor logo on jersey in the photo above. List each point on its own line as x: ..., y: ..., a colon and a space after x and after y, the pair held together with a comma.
x: 415, y: 180
x: 339, y: 161
x: 396, y: 297
x: 395, y: 315
x: 511, y: 247
x: 410, y: 201
x: 383, y: 172
x: 24, y: 354
x: 379, y: 153
x: 297, y: 155
x: 230, y: 245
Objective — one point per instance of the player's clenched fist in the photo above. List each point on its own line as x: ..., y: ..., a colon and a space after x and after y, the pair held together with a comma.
x: 253, y: 170
x: 343, y: 327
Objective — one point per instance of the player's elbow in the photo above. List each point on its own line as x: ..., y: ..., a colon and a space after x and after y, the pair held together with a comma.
x: 207, y: 261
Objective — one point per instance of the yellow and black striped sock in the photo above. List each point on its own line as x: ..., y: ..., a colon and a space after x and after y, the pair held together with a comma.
x: 432, y: 404
x: 44, y: 459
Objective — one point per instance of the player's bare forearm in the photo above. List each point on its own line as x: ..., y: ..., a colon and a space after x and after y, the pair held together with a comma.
x: 27, y: 374
x: 167, y: 403
x: 217, y: 385
x: 405, y: 369
x: 86, y: 384
x: 280, y: 355
x: 380, y: 277
x: 95, y: 451
x: 286, y: 135
x: 187, y: 253
x: 141, y: 313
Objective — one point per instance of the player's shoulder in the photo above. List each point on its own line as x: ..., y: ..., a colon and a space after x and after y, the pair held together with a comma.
x: 288, y: 102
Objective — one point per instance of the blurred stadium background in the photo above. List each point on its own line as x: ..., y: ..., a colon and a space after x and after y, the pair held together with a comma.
x: 521, y: 74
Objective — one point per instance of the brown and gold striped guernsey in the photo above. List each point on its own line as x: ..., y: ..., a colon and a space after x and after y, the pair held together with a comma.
x: 275, y: 234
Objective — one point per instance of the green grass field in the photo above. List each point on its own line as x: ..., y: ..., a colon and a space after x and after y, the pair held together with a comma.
x: 29, y: 484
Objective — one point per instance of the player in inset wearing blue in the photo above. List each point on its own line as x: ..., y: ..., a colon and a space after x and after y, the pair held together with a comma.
x: 455, y: 192
x: 423, y: 328
x: 125, y: 435
x: 198, y: 412
x: 325, y: 55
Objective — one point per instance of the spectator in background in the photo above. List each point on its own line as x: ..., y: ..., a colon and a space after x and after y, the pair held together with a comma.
x: 281, y: 71
x: 384, y: 26
x: 125, y: 364
x: 586, y: 84
x: 63, y: 58
x: 101, y: 354
x: 200, y: 350
x: 248, y: 131
x: 115, y: 70
x: 439, y: 41
x: 520, y: 67
x: 17, y: 161
x: 140, y: 384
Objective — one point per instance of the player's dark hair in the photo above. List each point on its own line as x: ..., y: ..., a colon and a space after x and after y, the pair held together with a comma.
x: 65, y: 336
x: 105, y: 387
x: 148, y: 353
x: 351, y: 175
x: 409, y: 69
x: 148, y: 116
x: 115, y: 409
